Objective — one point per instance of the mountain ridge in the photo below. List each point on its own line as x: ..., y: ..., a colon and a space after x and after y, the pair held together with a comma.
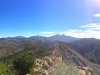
x: 15, y: 46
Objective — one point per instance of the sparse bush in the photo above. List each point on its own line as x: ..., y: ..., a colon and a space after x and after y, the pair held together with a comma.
x: 32, y: 72
x: 63, y: 69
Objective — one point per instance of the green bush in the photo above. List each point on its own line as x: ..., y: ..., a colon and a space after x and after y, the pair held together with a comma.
x: 23, y: 64
x: 4, y: 70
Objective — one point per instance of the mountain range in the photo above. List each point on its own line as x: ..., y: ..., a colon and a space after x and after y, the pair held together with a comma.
x: 75, y: 51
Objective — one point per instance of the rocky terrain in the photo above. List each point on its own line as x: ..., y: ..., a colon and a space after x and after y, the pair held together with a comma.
x: 85, y: 70
x: 44, y: 65
x: 47, y: 53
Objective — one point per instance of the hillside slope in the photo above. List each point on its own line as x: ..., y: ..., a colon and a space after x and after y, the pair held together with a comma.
x: 53, y: 49
x: 89, y: 48
x: 70, y: 56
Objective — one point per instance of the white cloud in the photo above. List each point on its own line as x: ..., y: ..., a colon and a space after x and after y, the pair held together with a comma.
x: 46, y: 33
x: 91, y: 30
x: 31, y: 34
x: 88, y: 31
x: 93, y: 26
x: 97, y: 15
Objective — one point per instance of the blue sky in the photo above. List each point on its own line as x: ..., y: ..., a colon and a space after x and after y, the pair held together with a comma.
x: 77, y: 18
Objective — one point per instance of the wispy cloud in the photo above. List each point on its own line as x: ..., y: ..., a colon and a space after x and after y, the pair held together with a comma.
x: 91, y: 30
x: 8, y: 29
x: 87, y: 31
x: 93, y: 26
x: 46, y: 33
x: 31, y: 34
x: 97, y: 15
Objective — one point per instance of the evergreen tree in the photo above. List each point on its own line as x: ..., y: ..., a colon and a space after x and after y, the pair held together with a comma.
x: 23, y: 64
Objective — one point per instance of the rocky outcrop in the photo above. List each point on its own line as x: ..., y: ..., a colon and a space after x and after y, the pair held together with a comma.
x: 85, y: 70
x: 43, y: 65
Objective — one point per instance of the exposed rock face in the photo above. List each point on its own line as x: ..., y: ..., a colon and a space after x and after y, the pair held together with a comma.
x: 85, y: 70
x: 42, y: 65
x: 70, y: 56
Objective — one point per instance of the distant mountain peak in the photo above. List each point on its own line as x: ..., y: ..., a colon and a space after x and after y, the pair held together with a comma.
x: 63, y: 38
